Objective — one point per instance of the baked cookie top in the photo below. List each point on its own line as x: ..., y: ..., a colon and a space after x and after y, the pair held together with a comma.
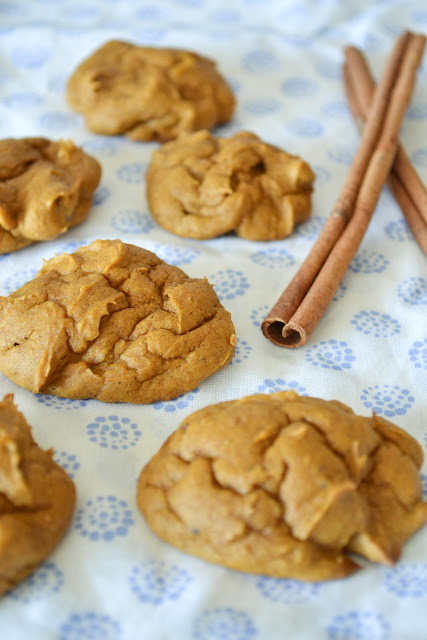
x: 149, y: 93
x: 114, y: 322
x: 286, y: 486
x: 200, y: 186
x: 45, y: 188
x: 37, y: 499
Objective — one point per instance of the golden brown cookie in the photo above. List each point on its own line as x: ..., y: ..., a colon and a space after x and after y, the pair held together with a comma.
x: 285, y: 486
x: 148, y: 93
x: 199, y: 186
x: 114, y: 322
x: 45, y: 188
x: 37, y: 499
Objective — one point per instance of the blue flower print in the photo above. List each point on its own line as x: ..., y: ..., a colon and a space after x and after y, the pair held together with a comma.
x: 417, y: 111
x: 368, y: 262
x: 156, y: 582
x: 176, y: 255
x: 337, y: 109
x: 58, y: 120
x: 271, y: 386
x: 100, y: 196
x: 286, y: 591
x: 131, y: 173
x: 22, y: 100
x: 90, y: 626
x: 424, y: 480
x: 419, y: 157
x: 311, y: 228
x: 30, y: 57
x: 331, y: 354
x: 224, y: 623
x: 376, y: 324
x: 273, y: 258
x: 413, y: 291
x: 45, y: 581
x: 299, y: 87
x: 132, y: 221
x: 112, y: 432
x: 18, y: 279
x: 305, y: 127
x: 407, y: 580
x: 68, y: 461
x: 340, y: 292
x: 182, y: 402
x: 342, y: 155
x: 358, y: 625
x: 242, y: 351
x: 261, y: 106
x: 388, y: 400
x: 257, y: 315
x: 328, y: 69
x: 323, y: 176
x: 418, y: 354
x: 260, y: 61
x: 229, y: 283
x: 104, y: 145
x: 63, y: 404
x: 399, y: 230
x: 104, y: 518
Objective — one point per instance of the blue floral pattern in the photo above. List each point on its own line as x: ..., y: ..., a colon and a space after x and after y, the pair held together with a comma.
x: 399, y: 230
x: 68, y: 461
x: 413, y: 291
x: 387, y: 400
x: 47, y: 580
x: 273, y: 258
x: 62, y: 404
x: 181, y: 402
x: 358, y: 625
x: 377, y: 324
x: 407, y: 580
x: 287, y: 591
x: 104, y: 518
x: 229, y: 283
x: 224, y: 623
x: 131, y: 173
x: 176, y: 256
x: 279, y: 384
x: 113, y: 432
x: 331, y: 354
x: 368, y: 262
x: 257, y: 315
x: 132, y: 221
x: 157, y: 582
x: 90, y: 626
x: 242, y: 352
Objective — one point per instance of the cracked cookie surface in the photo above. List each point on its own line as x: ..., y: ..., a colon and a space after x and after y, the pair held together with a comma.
x: 113, y: 321
x: 37, y: 499
x: 148, y: 93
x: 45, y: 188
x: 286, y: 486
x: 201, y: 186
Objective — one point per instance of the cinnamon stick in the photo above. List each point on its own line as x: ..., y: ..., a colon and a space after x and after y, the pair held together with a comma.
x: 403, y: 181
x: 301, y: 306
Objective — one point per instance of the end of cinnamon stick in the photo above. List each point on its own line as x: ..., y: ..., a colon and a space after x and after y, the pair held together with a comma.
x: 282, y: 334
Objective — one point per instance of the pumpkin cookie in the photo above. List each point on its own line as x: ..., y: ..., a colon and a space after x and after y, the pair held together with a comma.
x: 37, y: 499
x: 114, y: 322
x: 45, y: 188
x: 199, y: 186
x: 285, y: 486
x: 148, y: 93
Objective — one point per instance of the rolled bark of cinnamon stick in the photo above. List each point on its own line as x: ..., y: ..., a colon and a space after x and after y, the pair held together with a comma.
x: 403, y: 181
x: 299, y: 309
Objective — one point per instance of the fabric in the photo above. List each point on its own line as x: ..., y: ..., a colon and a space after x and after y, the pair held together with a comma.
x: 111, y: 578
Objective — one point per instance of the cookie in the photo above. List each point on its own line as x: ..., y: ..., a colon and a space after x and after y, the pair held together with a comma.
x: 285, y: 486
x: 148, y: 93
x: 37, y: 499
x: 45, y: 188
x: 114, y: 322
x: 200, y: 186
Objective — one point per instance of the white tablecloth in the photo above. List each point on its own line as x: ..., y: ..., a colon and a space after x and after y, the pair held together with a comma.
x: 111, y: 578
